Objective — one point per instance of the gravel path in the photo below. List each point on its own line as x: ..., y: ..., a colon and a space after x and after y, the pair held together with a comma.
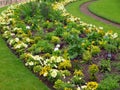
x: 84, y: 9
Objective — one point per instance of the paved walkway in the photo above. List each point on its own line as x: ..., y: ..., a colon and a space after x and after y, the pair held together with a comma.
x: 84, y: 9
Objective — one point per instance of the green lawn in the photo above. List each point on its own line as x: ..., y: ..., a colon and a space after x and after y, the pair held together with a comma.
x: 109, y: 9
x: 74, y: 9
x: 13, y: 74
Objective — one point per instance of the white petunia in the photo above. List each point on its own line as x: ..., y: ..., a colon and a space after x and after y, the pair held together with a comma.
x: 27, y: 27
x: 78, y: 88
x: 56, y: 49
x: 27, y: 39
x: 84, y: 87
x: 115, y: 35
x: 101, y: 28
x: 45, y: 74
x: 58, y: 46
x: 16, y: 39
x: 54, y: 73
x: 31, y: 63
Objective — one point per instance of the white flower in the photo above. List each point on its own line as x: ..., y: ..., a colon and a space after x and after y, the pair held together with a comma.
x: 54, y: 73
x: 56, y: 49
x: 27, y: 27
x: 12, y: 34
x: 31, y: 63
x: 25, y: 45
x: 18, y: 46
x: 27, y: 39
x: 11, y: 41
x: 16, y: 39
x: 45, y: 74
x: 101, y: 28
x: 115, y: 35
x: 58, y: 46
x: 26, y: 64
x: 83, y: 87
x: 37, y: 57
x: 78, y: 88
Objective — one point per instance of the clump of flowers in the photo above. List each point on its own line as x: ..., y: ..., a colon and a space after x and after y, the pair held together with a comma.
x: 87, y: 56
x: 44, y: 71
x: 55, y: 40
x: 95, y: 50
x: 77, y: 79
x: 92, y: 86
x: 65, y: 64
x: 93, y: 69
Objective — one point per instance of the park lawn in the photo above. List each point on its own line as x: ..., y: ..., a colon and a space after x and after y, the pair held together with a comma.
x: 13, y: 74
x: 74, y: 9
x: 109, y: 9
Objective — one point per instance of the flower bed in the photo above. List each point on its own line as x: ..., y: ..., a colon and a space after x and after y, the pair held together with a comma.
x: 69, y: 53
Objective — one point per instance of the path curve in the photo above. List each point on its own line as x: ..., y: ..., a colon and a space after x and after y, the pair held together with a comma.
x: 85, y: 10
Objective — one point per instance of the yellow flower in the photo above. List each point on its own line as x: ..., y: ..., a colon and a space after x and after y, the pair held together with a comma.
x: 92, y: 85
x: 45, y: 70
x: 79, y: 73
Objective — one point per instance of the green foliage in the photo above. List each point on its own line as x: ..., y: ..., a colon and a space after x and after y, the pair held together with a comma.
x: 116, y: 65
x: 77, y: 80
x: 95, y: 50
x: 110, y: 48
x: 66, y: 72
x: 42, y: 46
x: 65, y: 65
x: 109, y: 83
x: 60, y: 85
x: 105, y: 65
x: 93, y: 69
x: 75, y: 50
x: 37, y: 68
x: 55, y: 39
x: 48, y: 36
x: 59, y: 31
x: 57, y: 53
x: 87, y: 56
x: 45, y: 10
x: 66, y: 36
x: 78, y: 73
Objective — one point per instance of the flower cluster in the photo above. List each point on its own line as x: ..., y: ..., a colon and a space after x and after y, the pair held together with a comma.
x: 48, y: 45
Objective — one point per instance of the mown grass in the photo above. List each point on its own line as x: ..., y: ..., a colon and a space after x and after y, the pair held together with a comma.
x: 74, y: 9
x: 13, y: 74
x: 109, y: 9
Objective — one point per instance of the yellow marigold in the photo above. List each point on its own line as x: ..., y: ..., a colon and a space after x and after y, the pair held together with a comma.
x: 65, y: 64
x: 45, y: 70
x: 79, y: 73
x: 92, y: 85
x: 68, y: 88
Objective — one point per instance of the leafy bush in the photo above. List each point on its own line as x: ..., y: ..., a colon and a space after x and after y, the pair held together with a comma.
x: 55, y: 40
x: 109, y: 83
x: 87, y: 56
x: 60, y: 85
x: 95, y: 50
x: 65, y: 65
x: 105, y: 65
x: 93, y: 69
x: 110, y: 48
x: 37, y: 68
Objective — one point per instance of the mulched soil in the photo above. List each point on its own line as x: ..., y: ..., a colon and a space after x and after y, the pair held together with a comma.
x: 84, y: 9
